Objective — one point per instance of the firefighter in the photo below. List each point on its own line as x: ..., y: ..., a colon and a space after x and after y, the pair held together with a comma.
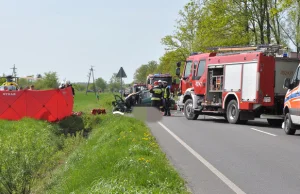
x: 160, y: 83
x: 166, y: 99
x: 156, y: 95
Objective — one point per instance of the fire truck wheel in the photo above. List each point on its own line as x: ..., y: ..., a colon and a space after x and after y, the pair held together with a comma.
x: 232, y: 112
x: 188, y: 105
x: 287, y: 125
x: 225, y: 116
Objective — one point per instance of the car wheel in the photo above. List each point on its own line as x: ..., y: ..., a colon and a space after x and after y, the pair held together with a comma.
x: 288, y: 125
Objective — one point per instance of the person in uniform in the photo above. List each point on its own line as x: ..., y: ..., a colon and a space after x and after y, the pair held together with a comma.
x: 166, y: 99
x: 156, y: 95
x: 68, y: 84
x: 160, y: 83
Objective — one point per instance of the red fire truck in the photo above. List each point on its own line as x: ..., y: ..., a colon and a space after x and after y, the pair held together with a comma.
x: 137, y: 87
x: 151, y: 78
x: 240, y: 83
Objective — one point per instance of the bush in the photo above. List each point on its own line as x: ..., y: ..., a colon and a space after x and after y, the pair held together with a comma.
x: 26, y: 148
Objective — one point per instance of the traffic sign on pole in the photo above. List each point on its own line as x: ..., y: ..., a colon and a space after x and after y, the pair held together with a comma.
x: 121, y: 74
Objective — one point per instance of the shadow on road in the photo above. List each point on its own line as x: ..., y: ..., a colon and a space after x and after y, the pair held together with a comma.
x: 213, y: 120
x: 253, y: 124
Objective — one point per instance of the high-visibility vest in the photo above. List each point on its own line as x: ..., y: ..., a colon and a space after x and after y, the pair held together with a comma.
x: 166, y: 92
x: 157, y: 93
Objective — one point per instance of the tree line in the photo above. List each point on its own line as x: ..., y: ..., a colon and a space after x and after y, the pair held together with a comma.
x: 204, y: 24
x: 50, y: 80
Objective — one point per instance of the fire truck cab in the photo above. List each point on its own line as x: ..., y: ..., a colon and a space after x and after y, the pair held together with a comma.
x: 137, y: 87
x: 163, y: 77
x: 240, y: 85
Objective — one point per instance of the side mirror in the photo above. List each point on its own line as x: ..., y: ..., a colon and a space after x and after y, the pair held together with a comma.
x: 178, y: 71
x: 287, y: 83
x: 178, y: 64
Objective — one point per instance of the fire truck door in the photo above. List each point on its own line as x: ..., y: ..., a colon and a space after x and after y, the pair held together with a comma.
x: 187, y: 76
x: 294, y: 98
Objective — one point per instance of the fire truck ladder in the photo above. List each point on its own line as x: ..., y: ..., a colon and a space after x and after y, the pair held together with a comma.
x: 269, y: 50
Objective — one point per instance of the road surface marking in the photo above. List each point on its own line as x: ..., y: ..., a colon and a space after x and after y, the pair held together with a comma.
x: 229, y: 183
x: 263, y: 132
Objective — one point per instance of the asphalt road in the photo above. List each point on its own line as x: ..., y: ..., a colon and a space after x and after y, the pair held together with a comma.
x: 216, y: 157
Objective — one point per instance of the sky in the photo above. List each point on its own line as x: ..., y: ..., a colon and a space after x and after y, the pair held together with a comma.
x: 70, y: 36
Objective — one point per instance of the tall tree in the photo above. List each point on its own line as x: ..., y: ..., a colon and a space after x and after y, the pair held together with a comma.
x: 114, y: 83
x: 293, y: 9
x: 186, y: 29
x: 151, y: 67
x: 141, y: 73
x: 168, y: 62
x: 23, y: 82
x: 49, y: 81
x: 101, y: 83
x: 221, y: 25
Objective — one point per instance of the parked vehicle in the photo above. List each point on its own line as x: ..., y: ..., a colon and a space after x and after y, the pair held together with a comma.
x: 241, y: 85
x: 145, y: 100
x: 151, y: 78
x: 292, y: 104
x: 137, y: 87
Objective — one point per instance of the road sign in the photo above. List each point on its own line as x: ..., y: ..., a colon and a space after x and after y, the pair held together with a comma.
x: 121, y: 73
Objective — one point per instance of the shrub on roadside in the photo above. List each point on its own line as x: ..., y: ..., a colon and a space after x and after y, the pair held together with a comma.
x: 26, y: 153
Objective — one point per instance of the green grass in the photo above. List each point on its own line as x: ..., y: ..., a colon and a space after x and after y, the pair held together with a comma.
x: 28, y: 149
x: 119, y: 155
x: 88, y: 102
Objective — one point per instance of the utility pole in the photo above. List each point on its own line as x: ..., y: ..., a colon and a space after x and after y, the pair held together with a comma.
x: 91, y: 73
x: 14, y: 74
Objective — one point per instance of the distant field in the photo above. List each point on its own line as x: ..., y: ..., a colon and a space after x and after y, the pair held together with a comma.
x: 88, y: 102
x: 119, y: 155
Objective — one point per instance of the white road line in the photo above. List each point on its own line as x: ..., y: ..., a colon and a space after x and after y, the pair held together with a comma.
x: 229, y: 183
x: 264, y: 132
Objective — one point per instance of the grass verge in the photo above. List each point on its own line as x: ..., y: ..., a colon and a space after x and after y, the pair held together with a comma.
x: 119, y: 156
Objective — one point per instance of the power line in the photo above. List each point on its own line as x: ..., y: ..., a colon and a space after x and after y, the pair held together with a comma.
x: 91, y: 74
x: 14, y: 74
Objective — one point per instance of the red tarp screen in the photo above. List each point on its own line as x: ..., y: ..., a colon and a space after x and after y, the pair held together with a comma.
x: 50, y: 105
